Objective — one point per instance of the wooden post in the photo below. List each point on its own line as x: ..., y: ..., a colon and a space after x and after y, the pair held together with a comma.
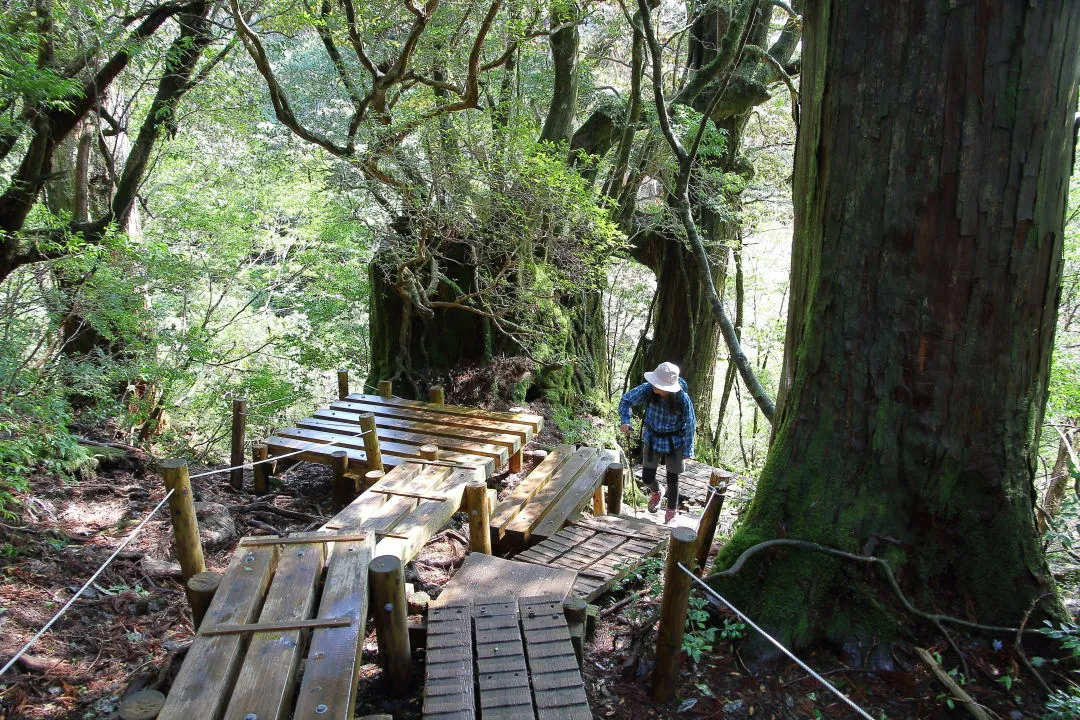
x: 371, y: 442
x: 479, y: 517
x: 515, y: 462
x: 598, y: 502
x: 372, y: 476
x: 261, y: 470
x: 436, y: 395
x: 709, y: 518
x: 386, y: 388
x: 185, y: 525
x: 239, y: 419
x: 389, y: 608
x: 613, y: 478
x: 429, y: 452
x: 342, y: 384
x: 673, y: 613
x: 575, y: 609
x: 344, y: 487
x: 200, y: 590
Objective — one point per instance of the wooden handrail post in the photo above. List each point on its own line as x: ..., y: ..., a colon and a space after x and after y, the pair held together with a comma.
x: 342, y: 384
x: 389, y: 609
x: 260, y: 470
x: 429, y: 452
x: 709, y: 518
x: 201, y: 589
x: 386, y: 388
x: 372, y: 476
x: 239, y: 423
x: 344, y: 487
x: 613, y: 478
x: 371, y: 442
x: 673, y: 604
x: 185, y: 524
x: 435, y: 394
x: 476, y: 504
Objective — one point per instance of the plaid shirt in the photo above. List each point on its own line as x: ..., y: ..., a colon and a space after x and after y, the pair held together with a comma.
x: 658, y: 419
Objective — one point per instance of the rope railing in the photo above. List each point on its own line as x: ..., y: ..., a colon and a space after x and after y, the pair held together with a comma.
x: 275, y: 458
x: 709, y: 591
x: 131, y: 536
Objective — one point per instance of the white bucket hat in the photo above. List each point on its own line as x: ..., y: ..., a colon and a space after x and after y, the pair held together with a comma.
x: 665, y: 377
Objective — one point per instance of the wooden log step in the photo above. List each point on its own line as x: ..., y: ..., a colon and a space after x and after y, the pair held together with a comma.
x: 577, y: 496
x: 524, y: 491
x: 534, y: 421
x: 522, y: 525
x: 498, y: 453
x: 524, y: 431
x: 510, y: 441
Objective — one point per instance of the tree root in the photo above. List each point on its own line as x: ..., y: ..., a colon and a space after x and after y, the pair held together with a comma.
x: 973, y: 708
x: 935, y: 618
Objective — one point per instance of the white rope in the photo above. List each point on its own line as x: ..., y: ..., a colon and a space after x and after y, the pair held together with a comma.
x: 275, y: 458
x: 775, y: 642
x: 93, y: 577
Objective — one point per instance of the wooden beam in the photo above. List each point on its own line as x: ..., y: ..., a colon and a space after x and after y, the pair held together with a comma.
x: 275, y: 626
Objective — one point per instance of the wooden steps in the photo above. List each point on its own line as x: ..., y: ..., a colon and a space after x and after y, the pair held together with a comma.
x: 602, y: 549
x: 406, y: 507
x: 555, y: 491
x: 524, y: 662
x: 255, y: 671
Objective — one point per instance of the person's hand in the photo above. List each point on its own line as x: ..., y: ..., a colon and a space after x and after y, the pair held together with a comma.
x: 625, y: 429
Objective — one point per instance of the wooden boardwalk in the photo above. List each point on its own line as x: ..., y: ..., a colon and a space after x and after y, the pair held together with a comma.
x: 601, y: 549
x: 245, y: 659
x: 523, y: 665
x: 406, y: 507
x: 481, y: 439
x: 548, y: 497
x: 693, y: 481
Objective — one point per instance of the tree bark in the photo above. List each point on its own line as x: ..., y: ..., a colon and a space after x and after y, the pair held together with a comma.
x: 931, y: 175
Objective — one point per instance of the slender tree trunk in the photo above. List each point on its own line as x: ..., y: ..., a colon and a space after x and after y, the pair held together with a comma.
x: 931, y: 176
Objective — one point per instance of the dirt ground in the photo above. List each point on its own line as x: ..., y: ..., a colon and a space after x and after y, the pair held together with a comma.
x: 131, y: 629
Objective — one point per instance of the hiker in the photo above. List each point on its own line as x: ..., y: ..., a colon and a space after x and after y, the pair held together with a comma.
x: 669, y: 427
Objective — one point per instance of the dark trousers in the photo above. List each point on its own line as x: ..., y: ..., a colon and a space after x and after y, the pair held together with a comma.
x: 673, y: 462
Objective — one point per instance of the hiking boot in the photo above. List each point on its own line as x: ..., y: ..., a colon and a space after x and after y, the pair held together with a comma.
x: 654, y: 500
x: 669, y: 514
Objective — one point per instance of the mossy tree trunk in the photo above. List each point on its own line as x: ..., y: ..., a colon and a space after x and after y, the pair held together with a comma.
x: 930, y: 185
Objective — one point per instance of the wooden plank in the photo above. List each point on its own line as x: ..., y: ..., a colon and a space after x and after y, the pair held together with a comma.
x: 636, y: 528
x: 273, y: 626
x: 201, y: 689
x: 265, y: 685
x: 386, y: 516
x: 411, y: 452
x: 448, y: 684
x: 536, y: 422
x: 496, y: 452
x: 524, y: 491
x: 334, y: 654
x: 558, y: 689
x: 300, y: 540
x: 320, y: 452
x: 486, y: 576
x: 504, y: 679
x: 577, y: 496
x: 520, y: 528
x: 414, y: 530
x: 525, y: 432
x: 367, y: 503
x: 511, y: 442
